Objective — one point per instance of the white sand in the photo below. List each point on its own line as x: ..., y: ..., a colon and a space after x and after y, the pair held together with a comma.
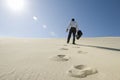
x: 33, y: 59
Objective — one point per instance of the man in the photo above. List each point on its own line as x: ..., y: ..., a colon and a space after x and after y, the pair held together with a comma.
x: 73, y: 27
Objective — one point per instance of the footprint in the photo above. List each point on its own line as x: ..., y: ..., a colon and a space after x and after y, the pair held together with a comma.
x: 81, y: 52
x: 81, y: 71
x: 60, y: 58
x: 76, y: 47
x: 63, y: 48
x: 65, y: 45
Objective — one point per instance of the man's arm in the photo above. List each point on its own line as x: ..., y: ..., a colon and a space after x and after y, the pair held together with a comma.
x: 77, y: 28
x: 68, y: 27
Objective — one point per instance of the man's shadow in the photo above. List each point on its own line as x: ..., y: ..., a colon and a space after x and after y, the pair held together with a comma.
x: 100, y: 47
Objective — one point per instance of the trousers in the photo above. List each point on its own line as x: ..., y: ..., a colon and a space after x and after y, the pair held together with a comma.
x: 71, y: 31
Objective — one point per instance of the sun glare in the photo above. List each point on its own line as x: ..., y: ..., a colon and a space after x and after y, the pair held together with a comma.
x: 16, y: 5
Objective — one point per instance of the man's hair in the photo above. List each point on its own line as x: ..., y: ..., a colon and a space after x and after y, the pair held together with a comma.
x: 73, y: 19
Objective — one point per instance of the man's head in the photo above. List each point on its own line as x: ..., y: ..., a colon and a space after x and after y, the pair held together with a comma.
x: 73, y: 19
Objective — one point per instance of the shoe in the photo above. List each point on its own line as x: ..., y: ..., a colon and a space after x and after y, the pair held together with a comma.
x: 67, y: 42
x: 73, y: 43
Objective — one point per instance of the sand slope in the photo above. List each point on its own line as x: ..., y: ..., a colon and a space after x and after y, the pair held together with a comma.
x: 53, y: 59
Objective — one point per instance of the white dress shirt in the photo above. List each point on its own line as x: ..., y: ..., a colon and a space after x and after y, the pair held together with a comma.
x: 73, y: 24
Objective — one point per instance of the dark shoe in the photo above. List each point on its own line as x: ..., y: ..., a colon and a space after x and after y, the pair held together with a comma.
x: 67, y: 42
x: 74, y: 43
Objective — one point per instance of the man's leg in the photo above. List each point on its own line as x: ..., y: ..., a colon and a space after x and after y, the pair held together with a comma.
x: 74, y: 32
x: 73, y: 38
x: 69, y: 36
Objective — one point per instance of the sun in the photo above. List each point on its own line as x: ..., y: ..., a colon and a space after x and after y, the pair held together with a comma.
x: 16, y: 5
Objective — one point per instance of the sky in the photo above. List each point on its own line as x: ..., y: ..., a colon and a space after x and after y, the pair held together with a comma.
x: 50, y: 18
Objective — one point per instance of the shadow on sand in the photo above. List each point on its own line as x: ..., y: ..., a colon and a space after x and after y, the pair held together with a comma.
x: 100, y: 47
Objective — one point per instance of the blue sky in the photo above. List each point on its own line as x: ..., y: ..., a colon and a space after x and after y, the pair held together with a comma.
x: 50, y: 18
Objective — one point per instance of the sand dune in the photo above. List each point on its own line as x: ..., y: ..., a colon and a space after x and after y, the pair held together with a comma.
x: 53, y: 59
